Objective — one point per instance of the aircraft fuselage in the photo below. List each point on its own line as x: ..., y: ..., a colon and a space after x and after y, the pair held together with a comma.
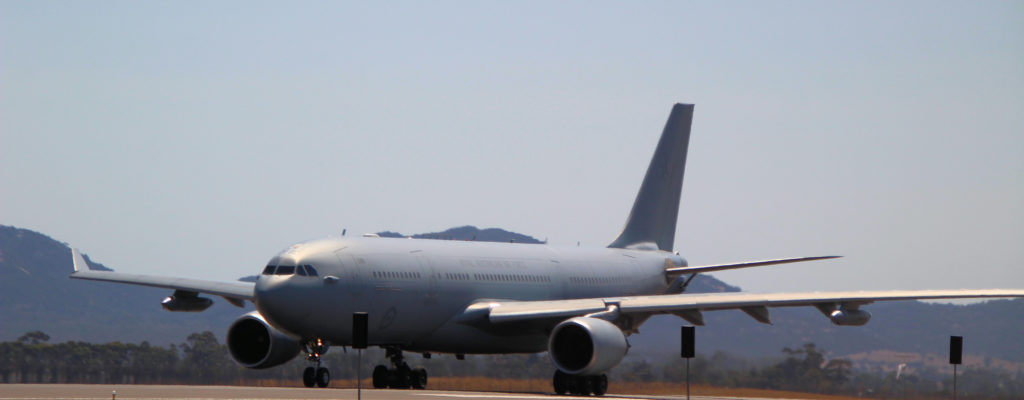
x: 416, y: 291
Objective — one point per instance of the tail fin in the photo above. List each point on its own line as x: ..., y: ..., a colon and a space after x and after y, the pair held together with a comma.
x: 652, y: 222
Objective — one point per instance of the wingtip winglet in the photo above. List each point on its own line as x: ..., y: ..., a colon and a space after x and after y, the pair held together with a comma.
x: 78, y: 261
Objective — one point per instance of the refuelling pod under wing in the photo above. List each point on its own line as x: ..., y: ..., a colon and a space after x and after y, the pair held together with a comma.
x: 253, y: 343
x: 186, y: 301
x: 849, y: 317
x: 586, y: 346
x: 845, y: 314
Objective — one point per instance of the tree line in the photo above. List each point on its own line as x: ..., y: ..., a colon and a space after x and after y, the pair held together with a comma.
x: 203, y: 360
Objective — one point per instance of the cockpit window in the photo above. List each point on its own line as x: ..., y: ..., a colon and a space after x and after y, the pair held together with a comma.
x: 285, y: 270
x: 311, y: 270
x: 269, y: 270
x: 301, y: 270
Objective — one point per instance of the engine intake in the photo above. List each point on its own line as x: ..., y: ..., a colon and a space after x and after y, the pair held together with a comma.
x: 586, y: 346
x: 253, y: 343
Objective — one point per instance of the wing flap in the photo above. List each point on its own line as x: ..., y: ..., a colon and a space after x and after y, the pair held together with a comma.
x: 229, y: 290
x: 523, y: 310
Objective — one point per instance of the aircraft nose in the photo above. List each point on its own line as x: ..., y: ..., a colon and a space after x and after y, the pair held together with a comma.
x: 270, y: 292
x: 278, y: 295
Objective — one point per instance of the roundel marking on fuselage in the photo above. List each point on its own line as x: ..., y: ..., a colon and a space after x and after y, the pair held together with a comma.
x: 388, y: 319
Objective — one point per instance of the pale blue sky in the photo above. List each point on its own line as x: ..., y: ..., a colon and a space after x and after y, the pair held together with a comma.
x: 200, y: 138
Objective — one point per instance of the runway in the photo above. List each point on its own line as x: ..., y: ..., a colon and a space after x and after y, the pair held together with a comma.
x: 176, y: 392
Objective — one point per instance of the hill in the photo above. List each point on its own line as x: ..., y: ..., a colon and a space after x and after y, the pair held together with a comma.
x: 469, y: 233
x: 35, y: 294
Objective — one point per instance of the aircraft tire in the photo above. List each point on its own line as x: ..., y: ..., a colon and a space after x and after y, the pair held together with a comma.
x: 323, y: 377
x: 599, y: 384
x: 582, y: 385
x: 561, y: 382
x: 418, y: 378
x: 572, y: 385
x: 400, y: 377
x: 380, y: 377
x: 309, y: 377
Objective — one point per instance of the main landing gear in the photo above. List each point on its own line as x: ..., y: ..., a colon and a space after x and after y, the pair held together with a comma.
x: 315, y: 376
x: 580, y: 385
x: 399, y: 376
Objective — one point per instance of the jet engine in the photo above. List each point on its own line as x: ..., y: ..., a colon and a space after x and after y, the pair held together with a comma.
x: 846, y: 317
x: 253, y: 343
x: 586, y: 346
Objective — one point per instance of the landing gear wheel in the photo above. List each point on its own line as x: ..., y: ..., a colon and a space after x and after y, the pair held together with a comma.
x: 582, y: 385
x: 561, y: 381
x: 323, y: 377
x: 380, y: 377
x: 309, y: 377
x: 599, y: 384
x: 315, y: 376
x: 400, y: 377
x: 418, y: 378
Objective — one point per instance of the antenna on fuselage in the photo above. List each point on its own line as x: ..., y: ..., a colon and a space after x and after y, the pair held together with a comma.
x: 343, y: 232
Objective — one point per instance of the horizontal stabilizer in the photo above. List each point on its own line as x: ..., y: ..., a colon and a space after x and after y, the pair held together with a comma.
x: 721, y: 267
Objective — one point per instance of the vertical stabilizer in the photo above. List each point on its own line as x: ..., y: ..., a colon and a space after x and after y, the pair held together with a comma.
x: 652, y: 222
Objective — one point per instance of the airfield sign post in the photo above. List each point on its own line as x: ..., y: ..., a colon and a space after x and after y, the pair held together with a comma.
x: 687, y: 351
x: 956, y: 347
x: 359, y: 341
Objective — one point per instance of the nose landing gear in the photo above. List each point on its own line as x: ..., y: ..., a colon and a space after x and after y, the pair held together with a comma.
x: 315, y: 376
x: 399, y: 376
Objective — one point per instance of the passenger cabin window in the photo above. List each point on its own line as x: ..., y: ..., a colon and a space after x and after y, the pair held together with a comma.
x: 269, y: 270
x: 285, y: 270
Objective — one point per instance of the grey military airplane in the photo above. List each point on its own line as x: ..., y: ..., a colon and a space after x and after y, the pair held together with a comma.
x: 456, y: 297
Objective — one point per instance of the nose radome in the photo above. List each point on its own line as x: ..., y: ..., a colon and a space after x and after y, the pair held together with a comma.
x: 271, y: 294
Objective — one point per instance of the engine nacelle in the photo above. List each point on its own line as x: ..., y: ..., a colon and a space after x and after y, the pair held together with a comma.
x: 586, y: 346
x: 849, y: 317
x: 253, y: 343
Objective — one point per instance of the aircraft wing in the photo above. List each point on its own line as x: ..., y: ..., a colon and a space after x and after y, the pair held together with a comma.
x: 689, y: 306
x: 236, y: 292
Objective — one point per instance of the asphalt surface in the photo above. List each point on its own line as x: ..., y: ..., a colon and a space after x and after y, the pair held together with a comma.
x: 160, y: 392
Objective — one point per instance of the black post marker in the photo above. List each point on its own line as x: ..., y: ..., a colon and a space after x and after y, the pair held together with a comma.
x: 360, y: 324
x: 956, y: 349
x: 687, y: 351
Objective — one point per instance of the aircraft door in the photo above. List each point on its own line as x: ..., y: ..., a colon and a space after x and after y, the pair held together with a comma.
x: 352, y: 271
x: 432, y: 280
